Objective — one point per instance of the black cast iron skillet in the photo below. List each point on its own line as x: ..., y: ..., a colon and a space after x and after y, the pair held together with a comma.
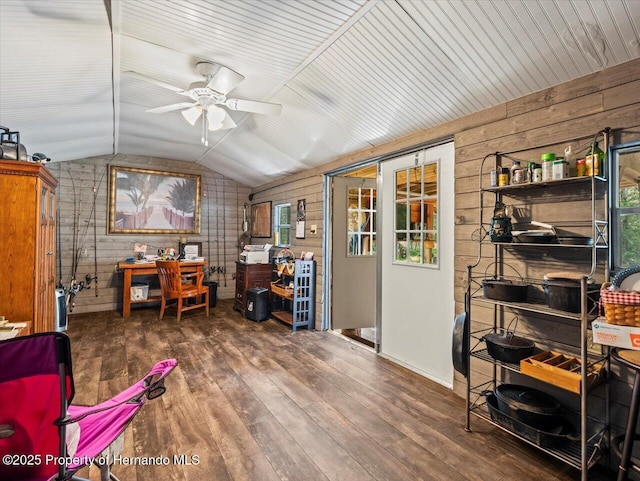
x: 460, y: 345
x: 508, y: 348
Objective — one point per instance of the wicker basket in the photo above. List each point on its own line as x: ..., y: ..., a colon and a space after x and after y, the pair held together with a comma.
x: 281, y: 290
x: 620, y: 307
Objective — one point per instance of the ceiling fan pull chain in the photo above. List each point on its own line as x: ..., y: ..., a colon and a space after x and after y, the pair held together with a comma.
x: 205, y: 130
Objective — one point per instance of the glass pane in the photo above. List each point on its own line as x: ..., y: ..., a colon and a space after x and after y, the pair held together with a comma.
x: 415, y: 207
x: 401, y: 216
x: 630, y: 239
x: 629, y: 196
x: 373, y: 244
x: 352, y: 243
x: 365, y: 199
x: 430, y: 179
x: 43, y: 204
x: 366, y: 245
x: 285, y: 215
x: 415, y: 251
x: 52, y: 204
x: 629, y: 178
x: 430, y: 215
x: 352, y: 201
x: 285, y: 233
x: 401, y: 184
x: 415, y: 182
x: 353, y: 224
x: 365, y: 221
x: 401, y: 247
x: 430, y: 249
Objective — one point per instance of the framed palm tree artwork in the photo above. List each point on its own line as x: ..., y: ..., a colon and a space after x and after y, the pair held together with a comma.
x: 153, y: 202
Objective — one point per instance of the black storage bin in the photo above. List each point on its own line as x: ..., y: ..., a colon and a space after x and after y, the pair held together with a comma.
x: 257, y: 304
x: 213, y: 292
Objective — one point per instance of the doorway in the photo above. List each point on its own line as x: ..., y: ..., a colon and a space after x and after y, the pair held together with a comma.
x: 354, y: 247
x: 390, y: 257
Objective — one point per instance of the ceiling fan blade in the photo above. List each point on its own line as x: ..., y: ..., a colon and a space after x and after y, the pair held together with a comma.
x: 192, y: 114
x: 255, y: 107
x: 169, y: 108
x: 225, y: 80
x: 167, y: 86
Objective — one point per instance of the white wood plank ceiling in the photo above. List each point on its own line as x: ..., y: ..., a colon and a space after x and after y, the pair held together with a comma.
x: 349, y: 73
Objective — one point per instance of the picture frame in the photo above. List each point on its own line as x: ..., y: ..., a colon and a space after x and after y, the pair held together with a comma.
x: 145, y: 201
x: 301, y: 215
x: 301, y: 211
x: 191, y: 250
x: 261, y: 219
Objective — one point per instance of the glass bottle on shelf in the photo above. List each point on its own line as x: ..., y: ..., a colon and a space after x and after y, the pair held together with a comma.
x: 515, y: 166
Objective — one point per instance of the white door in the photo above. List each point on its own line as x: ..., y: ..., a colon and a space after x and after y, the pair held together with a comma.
x: 417, y: 291
x: 353, y: 254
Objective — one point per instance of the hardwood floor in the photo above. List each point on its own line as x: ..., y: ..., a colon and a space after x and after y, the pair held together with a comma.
x: 256, y: 402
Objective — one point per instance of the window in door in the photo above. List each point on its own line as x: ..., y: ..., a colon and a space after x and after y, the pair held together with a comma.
x: 625, y: 243
x: 416, y: 215
x: 361, y: 221
x: 282, y: 231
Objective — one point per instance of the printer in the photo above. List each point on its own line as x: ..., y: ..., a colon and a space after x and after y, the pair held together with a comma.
x: 255, y: 254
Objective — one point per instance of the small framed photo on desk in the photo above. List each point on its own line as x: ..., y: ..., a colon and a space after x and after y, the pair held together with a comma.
x: 191, y: 250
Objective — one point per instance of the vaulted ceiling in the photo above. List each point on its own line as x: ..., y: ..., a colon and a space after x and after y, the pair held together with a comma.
x: 348, y: 73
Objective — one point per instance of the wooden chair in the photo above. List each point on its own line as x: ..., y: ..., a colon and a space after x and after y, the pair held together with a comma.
x: 173, y: 287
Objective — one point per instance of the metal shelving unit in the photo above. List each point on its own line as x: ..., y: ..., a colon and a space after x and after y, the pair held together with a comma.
x: 585, y: 452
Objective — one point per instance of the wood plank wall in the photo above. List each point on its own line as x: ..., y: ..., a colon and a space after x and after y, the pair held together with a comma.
x: 220, y: 226
x: 575, y: 109
x: 309, y: 188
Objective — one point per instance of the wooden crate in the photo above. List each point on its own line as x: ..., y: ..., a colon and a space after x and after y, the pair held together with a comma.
x: 561, y: 370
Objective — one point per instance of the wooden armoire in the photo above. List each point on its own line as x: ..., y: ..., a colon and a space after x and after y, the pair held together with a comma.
x: 28, y: 227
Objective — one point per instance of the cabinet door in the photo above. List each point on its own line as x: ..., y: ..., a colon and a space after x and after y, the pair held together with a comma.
x: 45, y: 260
x: 19, y: 214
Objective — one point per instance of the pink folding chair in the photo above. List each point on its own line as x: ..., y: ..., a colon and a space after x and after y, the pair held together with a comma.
x: 36, y: 390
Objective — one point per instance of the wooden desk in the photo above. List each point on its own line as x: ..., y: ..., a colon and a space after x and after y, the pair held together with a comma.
x: 145, y: 269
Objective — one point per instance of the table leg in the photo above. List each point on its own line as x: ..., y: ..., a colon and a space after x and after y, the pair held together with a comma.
x: 126, y: 294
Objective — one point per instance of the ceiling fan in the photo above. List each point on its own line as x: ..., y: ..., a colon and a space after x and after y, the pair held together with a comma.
x: 209, y: 97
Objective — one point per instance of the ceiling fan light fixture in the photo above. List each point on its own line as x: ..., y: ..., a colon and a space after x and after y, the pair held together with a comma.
x: 192, y: 114
x: 215, y: 116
